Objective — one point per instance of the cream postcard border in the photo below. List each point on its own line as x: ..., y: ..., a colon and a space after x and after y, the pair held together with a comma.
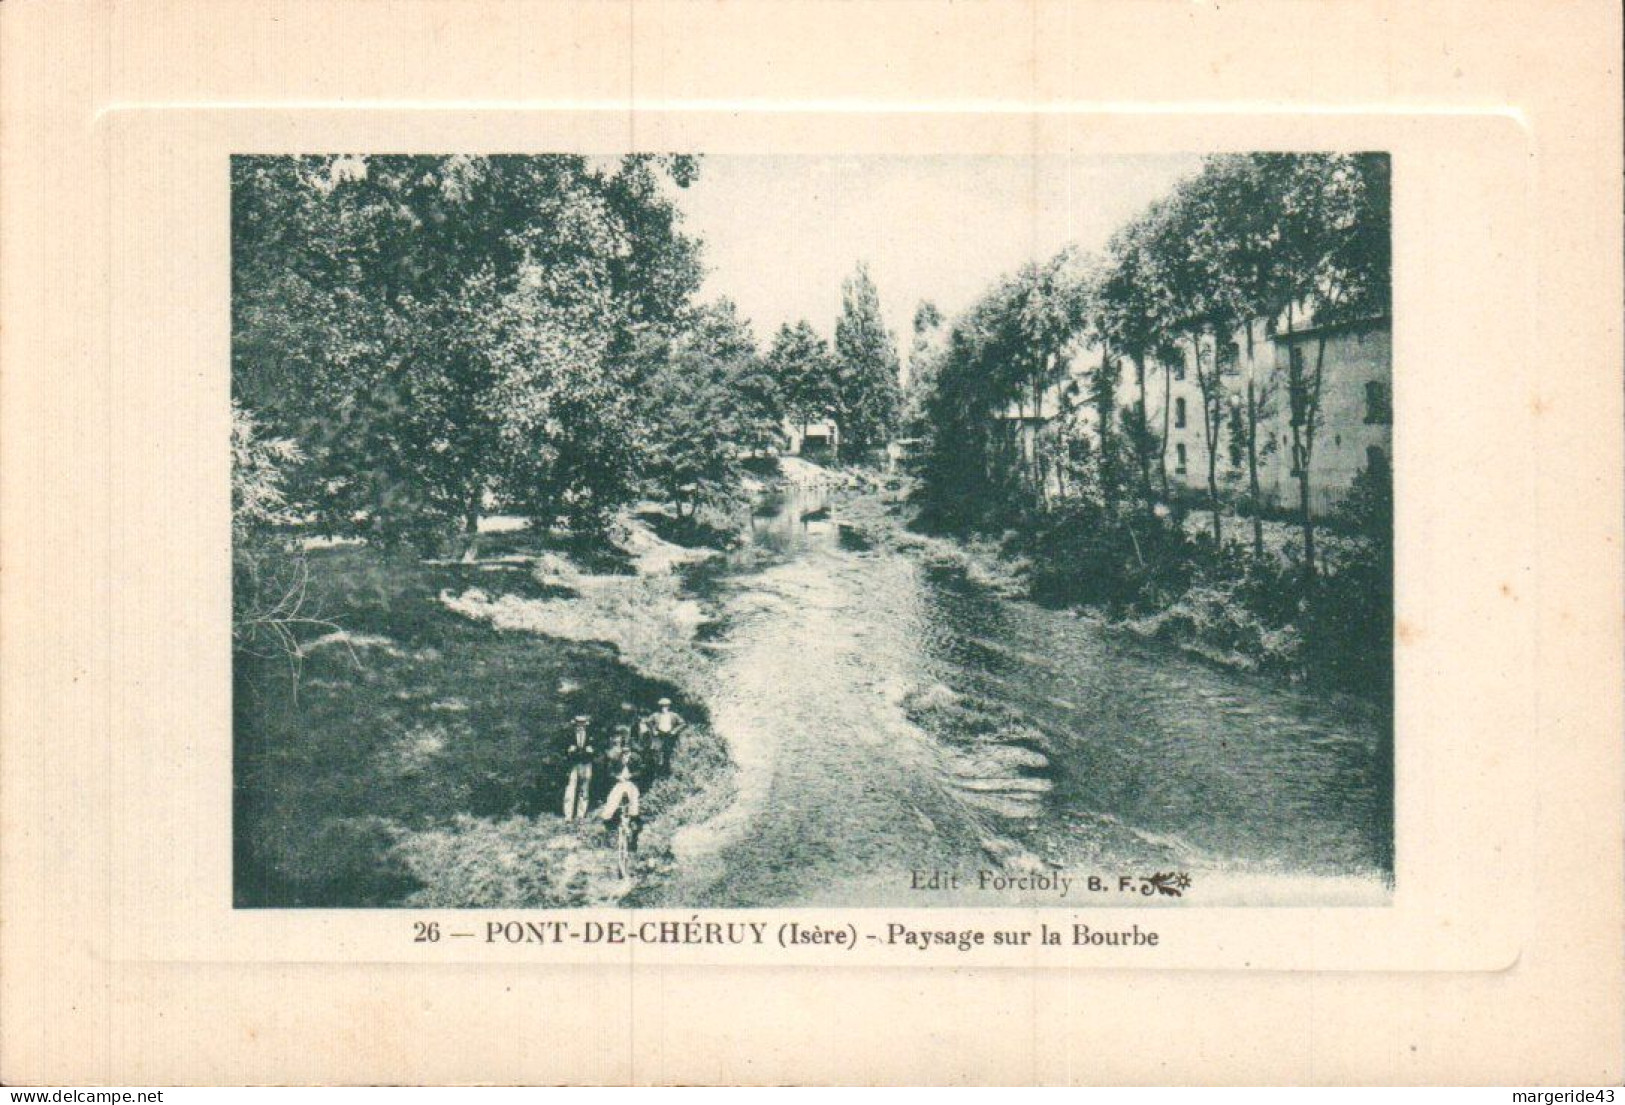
x: 84, y: 995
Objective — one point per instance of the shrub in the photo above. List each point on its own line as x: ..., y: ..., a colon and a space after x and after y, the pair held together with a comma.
x: 1271, y: 589
x: 1211, y: 619
x: 1348, y: 623
x: 1118, y: 559
x: 1348, y: 626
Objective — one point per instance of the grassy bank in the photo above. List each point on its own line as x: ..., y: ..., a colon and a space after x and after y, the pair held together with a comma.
x: 410, y: 754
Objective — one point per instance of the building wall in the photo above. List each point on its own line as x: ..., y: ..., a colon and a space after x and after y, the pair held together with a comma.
x: 1355, y: 357
x: 820, y: 437
x: 1351, y: 428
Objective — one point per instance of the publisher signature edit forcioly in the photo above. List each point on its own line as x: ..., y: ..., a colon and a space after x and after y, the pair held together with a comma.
x: 1171, y: 884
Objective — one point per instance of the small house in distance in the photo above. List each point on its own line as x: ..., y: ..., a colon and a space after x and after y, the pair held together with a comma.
x: 818, y: 439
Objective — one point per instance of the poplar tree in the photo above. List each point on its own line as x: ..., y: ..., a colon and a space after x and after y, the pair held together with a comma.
x: 868, y: 397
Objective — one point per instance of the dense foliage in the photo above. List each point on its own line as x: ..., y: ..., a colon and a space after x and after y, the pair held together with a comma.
x: 418, y: 340
x: 867, y: 398
x: 803, y: 369
x: 707, y: 399
x: 438, y: 331
x: 444, y: 335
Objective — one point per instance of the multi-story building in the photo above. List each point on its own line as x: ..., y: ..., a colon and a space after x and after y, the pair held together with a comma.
x: 1353, y: 431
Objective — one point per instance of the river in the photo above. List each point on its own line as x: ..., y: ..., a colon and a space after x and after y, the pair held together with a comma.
x: 891, y: 720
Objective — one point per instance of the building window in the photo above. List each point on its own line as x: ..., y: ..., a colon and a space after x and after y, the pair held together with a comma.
x: 1179, y: 457
x: 1377, y: 408
x: 1179, y: 413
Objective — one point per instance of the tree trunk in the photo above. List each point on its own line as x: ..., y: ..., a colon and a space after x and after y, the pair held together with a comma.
x: 1212, y: 420
x: 1040, y: 491
x: 1311, y: 415
x: 1308, y: 519
x: 1105, y: 401
x: 1213, y: 501
x: 1162, y: 445
x: 471, y: 530
x: 1252, y: 447
x: 1302, y: 420
x: 1144, y: 428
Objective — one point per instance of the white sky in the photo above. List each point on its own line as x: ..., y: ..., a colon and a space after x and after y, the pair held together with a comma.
x: 781, y: 233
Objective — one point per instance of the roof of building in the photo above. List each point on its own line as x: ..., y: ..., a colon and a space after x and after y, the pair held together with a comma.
x: 1330, y: 327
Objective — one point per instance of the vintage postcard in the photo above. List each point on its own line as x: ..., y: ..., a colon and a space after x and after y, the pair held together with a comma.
x: 541, y: 540
x: 969, y: 554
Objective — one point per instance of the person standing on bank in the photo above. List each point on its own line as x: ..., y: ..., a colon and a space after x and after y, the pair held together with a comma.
x: 665, y: 725
x: 633, y: 723
x: 578, y: 757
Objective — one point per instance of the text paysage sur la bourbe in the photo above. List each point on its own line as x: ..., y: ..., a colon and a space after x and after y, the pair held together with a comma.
x: 695, y: 931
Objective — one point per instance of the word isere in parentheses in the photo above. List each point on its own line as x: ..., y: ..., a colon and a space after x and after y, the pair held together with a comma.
x: 795, y: 934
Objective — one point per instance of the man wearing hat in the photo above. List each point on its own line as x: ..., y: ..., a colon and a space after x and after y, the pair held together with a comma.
x: 621, y: 750
x: 664, y: 725
x: 578, y: 757
x: 629, y: 717
x: 636, y: 739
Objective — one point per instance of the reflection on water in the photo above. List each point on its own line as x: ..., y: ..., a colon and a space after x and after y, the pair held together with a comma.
x: 890, y: 717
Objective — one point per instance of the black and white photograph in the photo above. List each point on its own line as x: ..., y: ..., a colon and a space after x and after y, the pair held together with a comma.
x: 765, y: 531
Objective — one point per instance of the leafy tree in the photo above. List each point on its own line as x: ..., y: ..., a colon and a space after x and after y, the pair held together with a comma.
x: 927, y: 318
x: 268, y: 574
x: 803, y: 370
x: 1005, y: 353
x: 438, y: 330
x: 924, y: 356
x: 1335, y: 264
x: 961, y: 463
x: 867, y: 394
x: 1238, y: 238
x: 1126, y: 319
x: 1186, y: 289
x: 708, y: 400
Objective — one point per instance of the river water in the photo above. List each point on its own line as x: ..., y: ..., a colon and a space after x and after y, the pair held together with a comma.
x: 893, y: 720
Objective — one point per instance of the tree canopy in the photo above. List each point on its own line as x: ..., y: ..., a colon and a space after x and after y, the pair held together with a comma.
x: 868, y: 395
x: 1250, y: 238
x: 435, y: 331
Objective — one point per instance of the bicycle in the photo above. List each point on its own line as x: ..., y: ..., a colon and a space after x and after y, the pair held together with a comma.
x: 623, y: 806
x: 625, y: 858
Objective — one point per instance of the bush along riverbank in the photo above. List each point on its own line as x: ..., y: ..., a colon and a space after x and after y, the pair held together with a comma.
x: 1159, y: 577
x: 409, y: 752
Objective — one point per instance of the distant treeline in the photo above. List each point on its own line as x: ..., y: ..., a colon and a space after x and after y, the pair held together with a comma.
x: 1254, y: 244
x: 1009, y: 437
x: 421, y: 337
x: 417, y: 340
